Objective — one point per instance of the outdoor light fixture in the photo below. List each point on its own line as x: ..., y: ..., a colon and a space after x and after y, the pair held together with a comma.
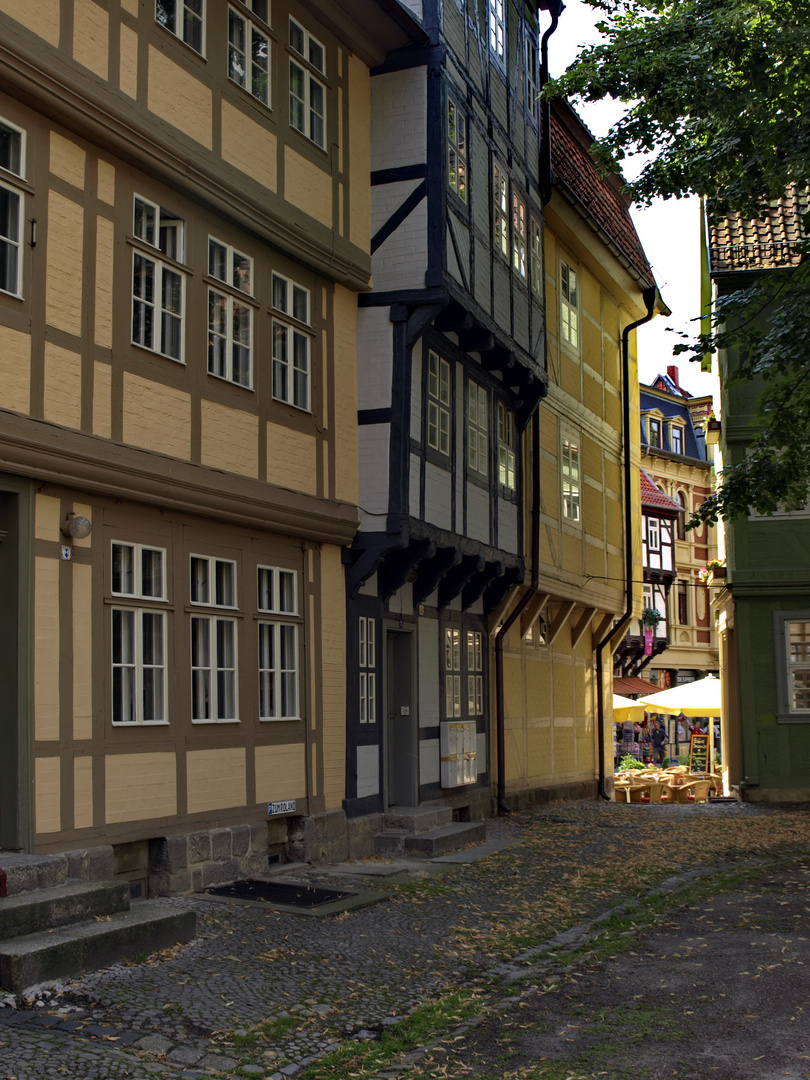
x: 76, y: 526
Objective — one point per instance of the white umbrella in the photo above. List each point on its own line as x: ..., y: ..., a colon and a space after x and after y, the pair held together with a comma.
x: 624, y: 708
x: 700, y: 698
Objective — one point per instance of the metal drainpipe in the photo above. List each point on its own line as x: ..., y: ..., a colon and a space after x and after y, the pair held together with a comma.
x: 650, y: 296
x: 555, y: 9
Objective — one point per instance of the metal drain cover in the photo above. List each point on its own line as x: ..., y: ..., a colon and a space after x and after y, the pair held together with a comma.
x: 279, y: 892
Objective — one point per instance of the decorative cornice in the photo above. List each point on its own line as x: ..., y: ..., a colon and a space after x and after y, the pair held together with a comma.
x: 53, y: 454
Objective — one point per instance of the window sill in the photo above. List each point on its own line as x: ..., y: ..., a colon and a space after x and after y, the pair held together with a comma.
x: 234, y: 720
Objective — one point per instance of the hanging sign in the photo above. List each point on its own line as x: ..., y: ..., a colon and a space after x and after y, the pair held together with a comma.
x: 648, y: 640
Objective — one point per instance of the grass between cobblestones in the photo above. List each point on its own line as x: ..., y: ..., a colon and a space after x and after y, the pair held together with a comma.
x: 582, y: 877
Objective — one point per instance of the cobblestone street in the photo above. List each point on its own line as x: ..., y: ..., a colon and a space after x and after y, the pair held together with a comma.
x: 261, y: 992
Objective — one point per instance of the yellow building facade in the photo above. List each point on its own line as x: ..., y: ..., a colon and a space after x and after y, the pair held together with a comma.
x: 597, y: 283
x: 186, y: 201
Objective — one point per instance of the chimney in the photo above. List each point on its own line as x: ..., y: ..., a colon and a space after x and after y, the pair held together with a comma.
x: 672, y: 371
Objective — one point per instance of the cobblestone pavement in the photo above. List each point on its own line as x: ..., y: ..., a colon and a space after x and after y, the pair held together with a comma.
x: 311, y: 982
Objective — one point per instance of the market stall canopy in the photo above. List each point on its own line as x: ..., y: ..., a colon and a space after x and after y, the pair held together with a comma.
x: 700, y: 698
x: 626, y: 709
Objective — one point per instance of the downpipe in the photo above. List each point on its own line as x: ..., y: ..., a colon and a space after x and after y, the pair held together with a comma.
x: 650, y: 296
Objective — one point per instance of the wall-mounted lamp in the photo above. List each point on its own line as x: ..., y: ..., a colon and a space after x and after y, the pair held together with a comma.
x: 76, y: 526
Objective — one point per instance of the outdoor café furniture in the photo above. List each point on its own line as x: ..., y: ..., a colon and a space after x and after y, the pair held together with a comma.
x: 693, y: 791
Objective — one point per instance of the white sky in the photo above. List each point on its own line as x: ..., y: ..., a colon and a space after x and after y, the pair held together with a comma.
x: 669, y: 230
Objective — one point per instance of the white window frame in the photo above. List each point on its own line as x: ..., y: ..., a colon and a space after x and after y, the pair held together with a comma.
x: 136, y: 554
x: 292, y: 348
x: 475, y: 673
x: 519, y: 234
x: 500, y: 209
x: 438, y: 403
x: 305, y: 116
x: 532, y: 75
x: 676, y: 434
x: 230, y: 337
x: 653, y: 534
x: 477, y: 429
x: 787, y: 666
x: 537, y: 257
x: 252, y: 72
x: 506, y: 447
x: 155, y: 238
x: 277, y: 594
x: 367, y: 663
x: 456, y: 149
x: 212, y: 563
x: 136, y: 662
x: 11, y: 242
x: 217, y: 667
x: 497, y: 29
x: 571, y: 479
x: 452, y: 669
x: 569, y: 305
x: 166, y: 15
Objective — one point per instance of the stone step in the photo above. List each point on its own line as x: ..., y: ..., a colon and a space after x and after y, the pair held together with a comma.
x: 416, y: 819
x: 432, y: 842
x: 76, y: 901
x: 448, y: 838
x: 24, y: 873
x: 69, y: 951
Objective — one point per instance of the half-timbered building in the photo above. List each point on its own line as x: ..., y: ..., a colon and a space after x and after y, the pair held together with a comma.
x: 451, y: 367
x: 186, y: 205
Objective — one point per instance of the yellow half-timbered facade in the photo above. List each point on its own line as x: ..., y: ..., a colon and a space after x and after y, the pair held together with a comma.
x: 185, y: 204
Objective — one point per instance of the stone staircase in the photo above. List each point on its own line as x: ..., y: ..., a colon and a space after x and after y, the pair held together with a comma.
x: 425, y: 832
x: 53, y: 927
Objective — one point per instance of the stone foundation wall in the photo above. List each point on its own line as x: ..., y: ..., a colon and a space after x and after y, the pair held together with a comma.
x: 191, y: 862
x: 523, y: 800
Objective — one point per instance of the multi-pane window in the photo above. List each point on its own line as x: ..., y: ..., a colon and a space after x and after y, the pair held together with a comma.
x: 797, y: 646
x: 249, y: 52
x: 367, y: 640
x: 157, y: 287
x: 213, y: 641
x: 518, y: 235
x: 683, y: 605
x: 307, y: 93
x: 452, y: 672
x: 291, y: 346
x: 230, y: 320
x: 537, y: 258
x: 497, y: 29
x: 477, y: 429
x: 571, y: 492
x: 569, y: 305
x: 138, y: 635
x: 461, y: 646
x: 676, y: 439
x: 12, y: 156
x: 500, y: 214
x: 655, y: 432
x: 475, y: 677
x: 456, y: 150
x: 185, y: 19
x: 278, y: 644
x: 532, y: 81
x: 438, y: 404
x: 506, y: 447
x: 653, y: 534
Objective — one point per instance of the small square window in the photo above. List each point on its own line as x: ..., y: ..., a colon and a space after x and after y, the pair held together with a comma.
x: 213, y: 581
x: 11, y: 148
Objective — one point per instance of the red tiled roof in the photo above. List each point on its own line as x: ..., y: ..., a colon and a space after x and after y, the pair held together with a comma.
x: 653, y: 496
x: 595, y: 196
x: 737, y: 243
